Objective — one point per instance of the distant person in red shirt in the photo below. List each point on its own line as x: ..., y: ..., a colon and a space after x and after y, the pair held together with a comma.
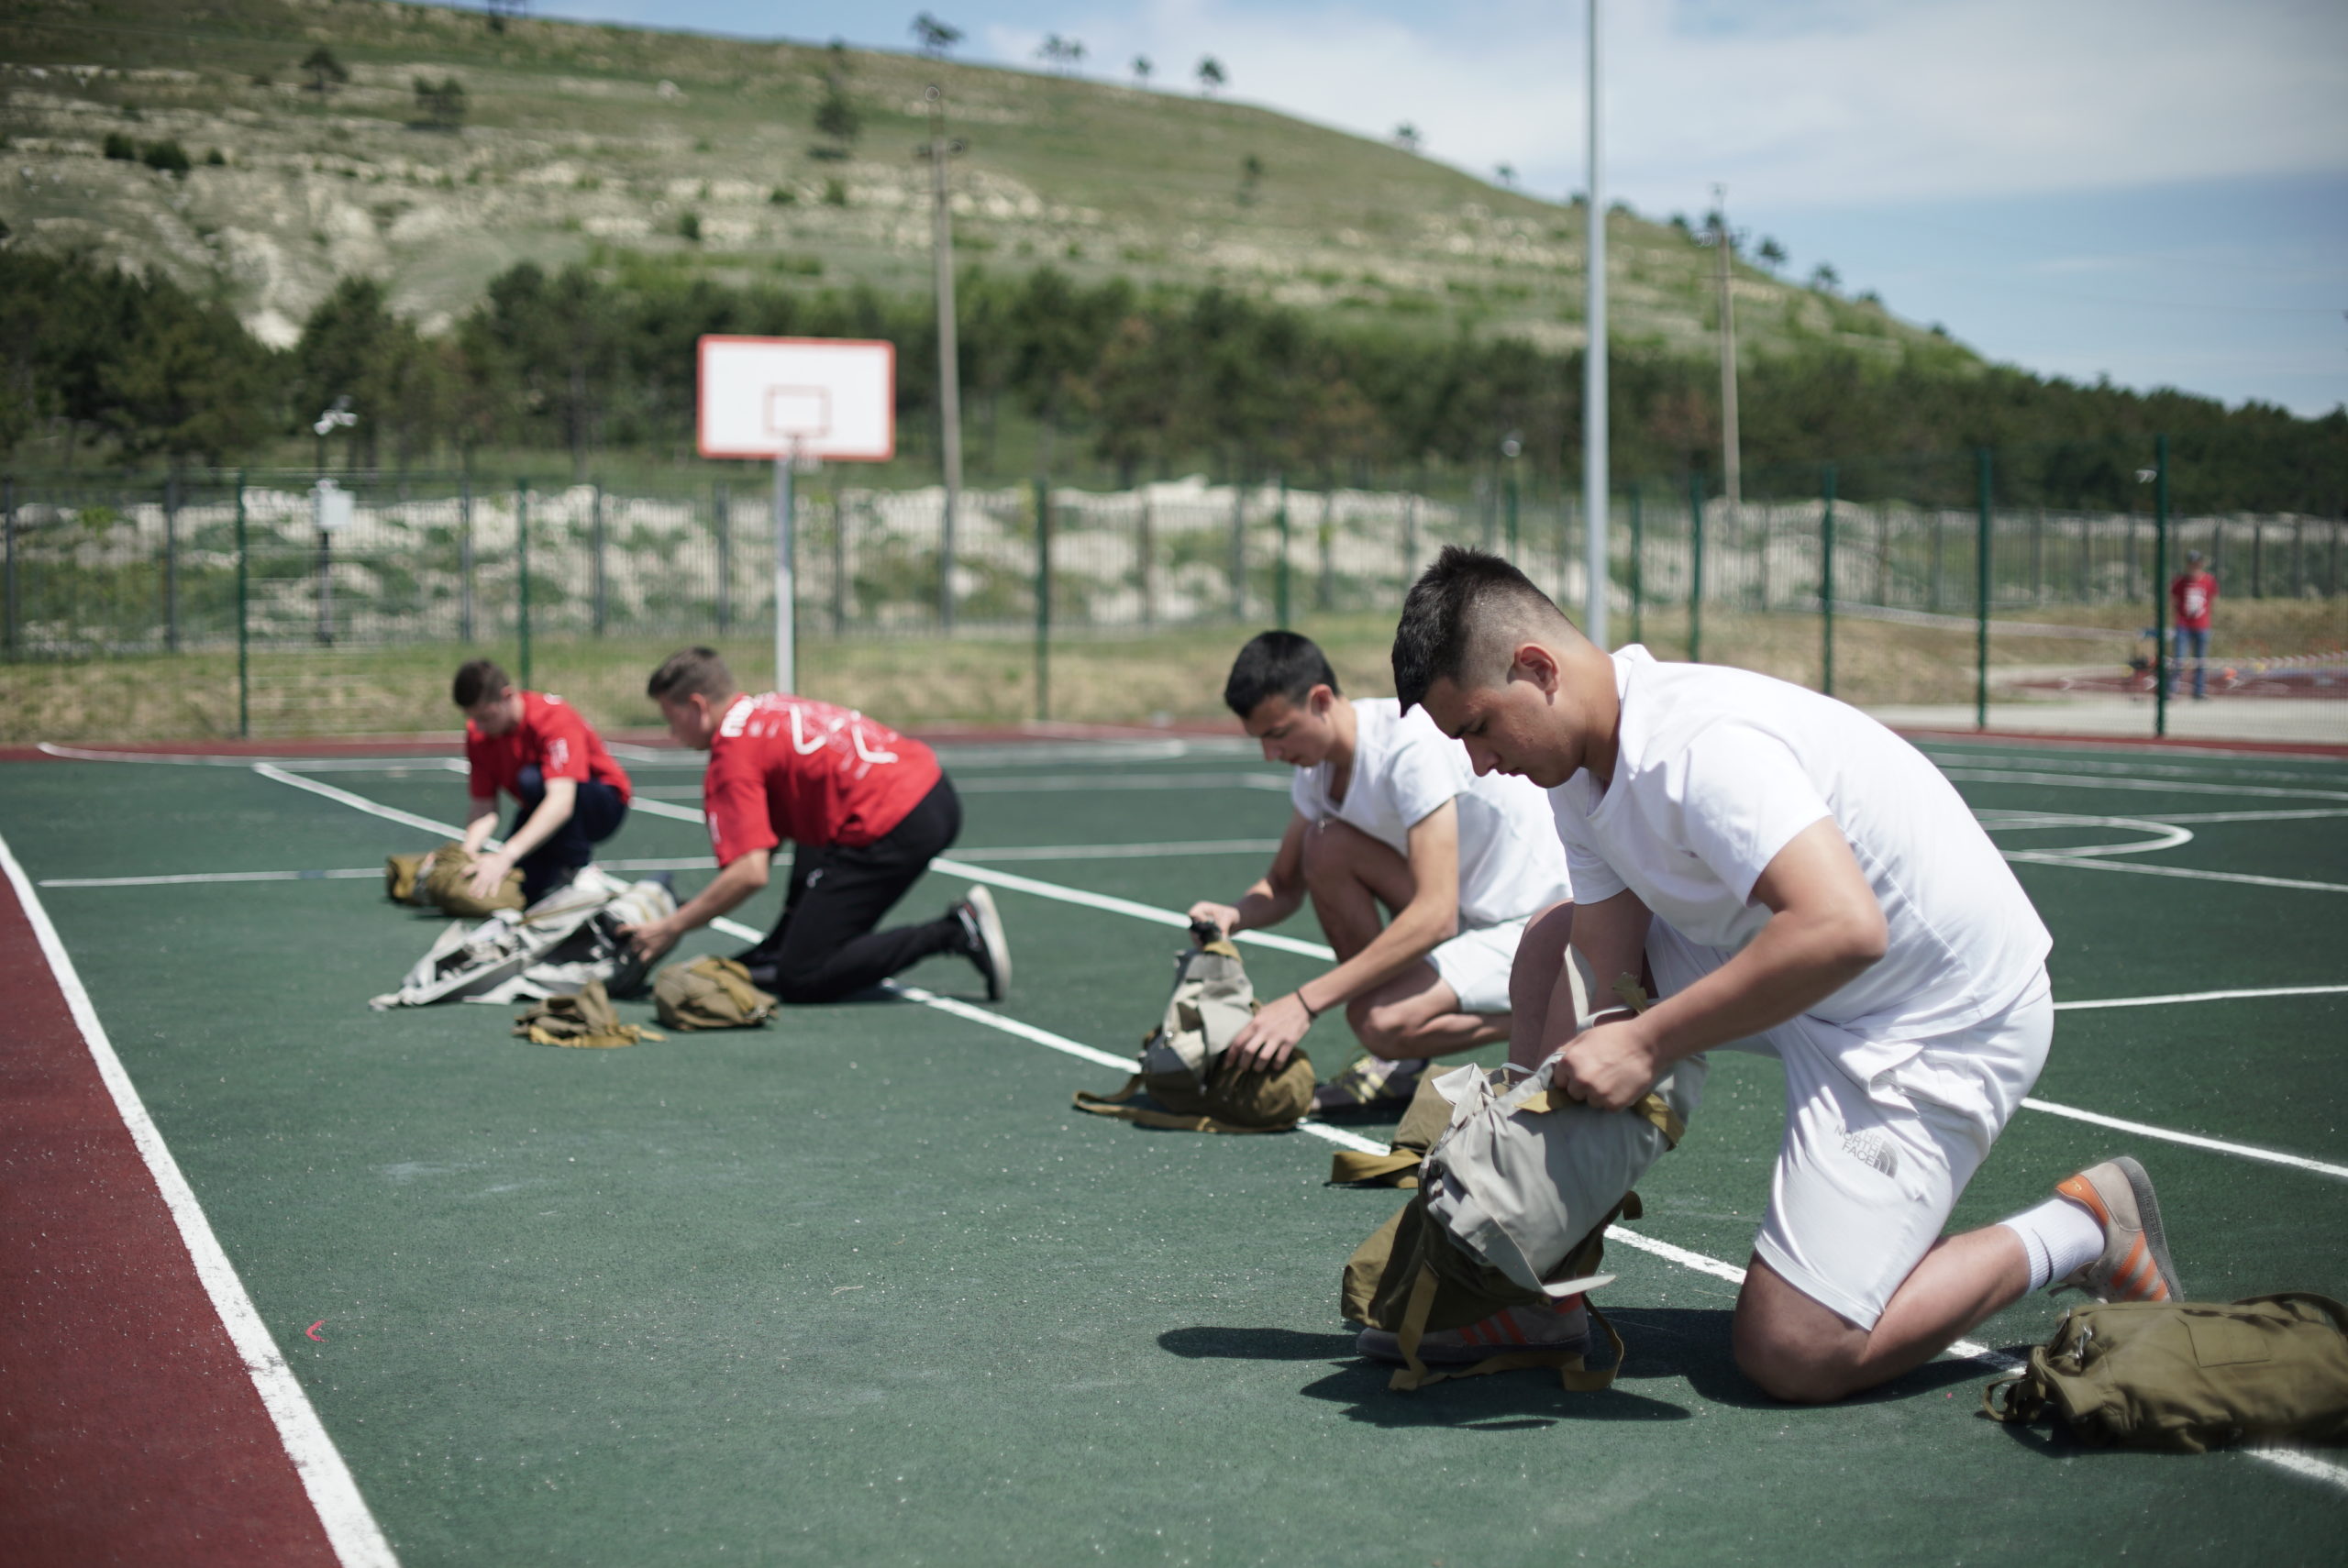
x: 2191, y: 595
x: 866, y: 809
x: 568, y: 793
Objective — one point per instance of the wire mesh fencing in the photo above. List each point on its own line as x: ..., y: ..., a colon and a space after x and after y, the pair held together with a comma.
x: 1898, y: 589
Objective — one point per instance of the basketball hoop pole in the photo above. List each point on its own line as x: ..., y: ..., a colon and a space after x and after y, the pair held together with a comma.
x: 785, y: 675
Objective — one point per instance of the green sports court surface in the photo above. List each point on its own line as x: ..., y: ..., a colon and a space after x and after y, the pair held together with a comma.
x: 862, y: 1286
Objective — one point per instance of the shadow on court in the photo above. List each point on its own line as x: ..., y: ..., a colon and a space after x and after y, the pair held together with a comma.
x: 1687, y: 1344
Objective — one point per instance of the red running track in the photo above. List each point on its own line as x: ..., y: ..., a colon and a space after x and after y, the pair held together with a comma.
x: 130, y: 1431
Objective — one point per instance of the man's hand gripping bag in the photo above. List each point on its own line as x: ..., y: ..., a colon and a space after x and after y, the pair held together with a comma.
x: 1185, y: 1066
x: 1515, y: 1197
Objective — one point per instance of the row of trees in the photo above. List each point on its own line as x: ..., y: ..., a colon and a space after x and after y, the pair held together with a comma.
x: 1145, y: 381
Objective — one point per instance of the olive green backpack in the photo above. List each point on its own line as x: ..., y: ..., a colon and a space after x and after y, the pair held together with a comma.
x: 2188, y: 1375
x: 1187, y: 1069
x: 710, y: 993
x: 438, y: 879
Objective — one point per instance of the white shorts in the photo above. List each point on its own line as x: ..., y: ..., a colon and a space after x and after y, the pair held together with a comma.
x: 1475, y: 965
x: 1868, y: 1171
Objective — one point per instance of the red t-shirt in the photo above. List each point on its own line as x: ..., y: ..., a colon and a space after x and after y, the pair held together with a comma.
x: 551, y: 737
x: 2193, y: 594
x: 787, y: 767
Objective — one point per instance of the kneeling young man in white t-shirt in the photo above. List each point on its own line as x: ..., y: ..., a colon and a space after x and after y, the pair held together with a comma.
x: 1388, y: 812
x: 1792, y: 878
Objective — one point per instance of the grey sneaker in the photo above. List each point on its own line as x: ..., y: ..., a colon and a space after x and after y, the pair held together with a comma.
x: 1563, y: 1327
x: 983, y: 943
x: 2136, y: 1264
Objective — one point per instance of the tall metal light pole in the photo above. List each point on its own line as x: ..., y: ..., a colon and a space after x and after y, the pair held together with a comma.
x: 949, y: 375
x: 1731, y: 457
x: 1593, y: 388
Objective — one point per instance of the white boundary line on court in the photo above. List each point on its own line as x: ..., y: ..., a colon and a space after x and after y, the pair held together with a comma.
x: 2155, y: 786
x: 2096, y: 863
x: 2202, y: 996
x: 350, y: 1527
x: 1313, y: 949
x: 2300, y: 1463
x: 2192, y: 1140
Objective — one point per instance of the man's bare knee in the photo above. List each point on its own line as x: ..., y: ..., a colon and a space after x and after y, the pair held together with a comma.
x: 1799, y: 1368
x: 1385, y: 1028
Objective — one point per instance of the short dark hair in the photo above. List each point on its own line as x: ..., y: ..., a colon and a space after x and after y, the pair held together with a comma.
x: 691, y: 672
x: 477, y: 678
x: 1276, y: 664
x: 1463, y: 591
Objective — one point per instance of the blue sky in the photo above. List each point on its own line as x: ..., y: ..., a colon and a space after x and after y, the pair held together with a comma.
x: 2152, y: 190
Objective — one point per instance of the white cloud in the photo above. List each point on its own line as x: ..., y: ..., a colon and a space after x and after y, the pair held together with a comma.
x: 1824, y: 105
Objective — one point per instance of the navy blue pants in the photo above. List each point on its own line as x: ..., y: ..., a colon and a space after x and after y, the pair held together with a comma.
x: 595, y: 815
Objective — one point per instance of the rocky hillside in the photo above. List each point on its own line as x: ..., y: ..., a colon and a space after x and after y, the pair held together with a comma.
x: 566, y: 142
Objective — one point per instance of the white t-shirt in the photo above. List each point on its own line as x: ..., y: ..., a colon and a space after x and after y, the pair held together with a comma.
x: 1720, y: 768
x: 1510, y: 864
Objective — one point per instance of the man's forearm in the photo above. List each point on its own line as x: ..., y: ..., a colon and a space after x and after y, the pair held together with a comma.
x: 736, y: 882
x: 545, y: 821
x: 1265, y: 905
x: 1416, y: 929
x: 481, y: 824
x: 1792, y: 966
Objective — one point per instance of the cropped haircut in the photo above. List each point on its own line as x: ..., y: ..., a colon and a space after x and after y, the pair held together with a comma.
x: 691, y: 672
x: 478, y: 679
x: 1276, y: 664
x: 1454, y: 610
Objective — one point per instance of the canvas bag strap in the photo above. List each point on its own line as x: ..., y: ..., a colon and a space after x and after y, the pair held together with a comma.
x: 1118, y: 1105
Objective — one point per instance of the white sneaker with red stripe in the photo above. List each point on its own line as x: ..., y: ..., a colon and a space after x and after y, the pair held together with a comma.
x: 1564, y: 1326
x: 2136, y: 1264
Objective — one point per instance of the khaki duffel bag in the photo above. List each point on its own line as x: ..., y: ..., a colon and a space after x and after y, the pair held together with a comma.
x: 2188, y: 1375
x: 1185, y: 1066
x: 711, y: 993
x: 584, y: 1018
x: 437, y: 877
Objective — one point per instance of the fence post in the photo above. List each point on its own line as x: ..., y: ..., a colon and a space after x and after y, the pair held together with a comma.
x: 244, y: 671
x: 1826, y: 582
x: 722, y: 520
x: 2257, y: 557
x: 1934, y: 597
x: 171, y: 562
x: 1280, y: 572
x: 1511, y: 512
x: 1638, y: 561
x: 1980, y: 595
x: 596, y: 525
x: 522, y: 559
x: 8, y: 524
x: 2160, y: 586
x: 1695, y: 567
x: 1145, y: 562
x: 465, y: 559
x: 2299, y: 558
x: 1044, y: 598
x: 2038, y: 557
x: 1239, y: 550
x: 839, y: 562
x: 1324, y: 593
x: 1411, y: 538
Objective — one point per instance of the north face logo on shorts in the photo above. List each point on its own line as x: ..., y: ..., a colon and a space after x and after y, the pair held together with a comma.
x: 1872, y: 1148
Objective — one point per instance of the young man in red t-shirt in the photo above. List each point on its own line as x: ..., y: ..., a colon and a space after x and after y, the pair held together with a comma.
x: 568, y: 793
x: 866, y: 809
x: 2191, y: 595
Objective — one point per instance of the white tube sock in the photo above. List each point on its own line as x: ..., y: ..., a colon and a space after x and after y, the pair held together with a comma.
x: 2061, y: 1237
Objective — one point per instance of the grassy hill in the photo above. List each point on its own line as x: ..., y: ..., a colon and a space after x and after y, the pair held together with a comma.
x: 585, y: 143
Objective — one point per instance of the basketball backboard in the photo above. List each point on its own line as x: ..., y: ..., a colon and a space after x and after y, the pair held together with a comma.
x: 811, y: 397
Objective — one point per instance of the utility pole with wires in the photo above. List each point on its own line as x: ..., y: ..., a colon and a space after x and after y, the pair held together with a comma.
x: 940, y: 151
x: 1593, y: 389
x: 1732, y: 461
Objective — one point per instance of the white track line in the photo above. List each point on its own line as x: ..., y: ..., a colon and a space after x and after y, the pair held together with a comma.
x: 1068, y: 781
x: 346, y: 875
x: 2092, y: 862
x: 311, y: 764
x: 2202, y: 996
x: 1943, y: 757
x: 350, y: 1529
x: 2181, y: 786
x: 1122, y: 851
x: 2191, y: 1139
x: 358, y: 802
x: 2299, y: 1464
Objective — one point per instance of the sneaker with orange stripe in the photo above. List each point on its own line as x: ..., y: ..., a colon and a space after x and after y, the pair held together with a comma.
x: 2136, y: 1264
x: 1564, y: 1326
